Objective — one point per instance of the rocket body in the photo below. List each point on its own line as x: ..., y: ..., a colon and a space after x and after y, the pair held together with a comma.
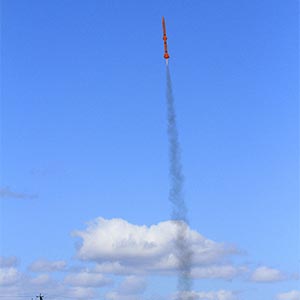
x: 166, y: 54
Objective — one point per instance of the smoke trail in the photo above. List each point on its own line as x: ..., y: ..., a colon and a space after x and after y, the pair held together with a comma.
x: 179, y: 210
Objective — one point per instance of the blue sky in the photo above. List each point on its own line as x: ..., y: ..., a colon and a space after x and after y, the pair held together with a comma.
x: 83, y: 122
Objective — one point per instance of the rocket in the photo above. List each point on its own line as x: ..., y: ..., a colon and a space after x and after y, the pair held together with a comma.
x: 166, y: 55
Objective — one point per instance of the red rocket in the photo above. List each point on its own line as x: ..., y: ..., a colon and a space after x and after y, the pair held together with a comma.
x: 166, y: 55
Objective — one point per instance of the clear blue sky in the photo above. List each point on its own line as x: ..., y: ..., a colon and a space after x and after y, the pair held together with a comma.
x: 83, y: 128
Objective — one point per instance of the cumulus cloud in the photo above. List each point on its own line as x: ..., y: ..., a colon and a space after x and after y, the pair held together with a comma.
x: 43, y: 265
x: 119, y: 247
x: 13, y: 283
x: 210, y: 295
x: 291, y: 295
x: 266, y: 274
x: 9, y: 276
x: 81, y: 285
x: 6, y: 192
x: 227, y: 272
x: 83, y: 293
x: 117, y: 296
x: 40, y: 280
x: 77, y: 286
x: 133, y: 251
x: 6, y: 262
x: 132, y: 285
x: 86, y: 279
x: 130, y: 289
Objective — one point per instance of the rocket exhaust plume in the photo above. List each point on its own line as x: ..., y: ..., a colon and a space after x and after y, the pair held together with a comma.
x: 176, y: 197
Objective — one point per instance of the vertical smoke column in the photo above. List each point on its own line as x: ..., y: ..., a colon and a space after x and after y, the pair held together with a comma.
x: 176, y: 197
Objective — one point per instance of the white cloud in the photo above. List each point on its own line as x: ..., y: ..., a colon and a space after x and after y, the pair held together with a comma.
x: 266, y: 274
x: 291, y: 295
x: 80, y: 293
x: 19, y: 284
x: 9, y: 276
x: 6, y: 192
x: 43, y: 265
x: 115, y: 268
x: 119, y: 246
x: 41, y: 280
x: 132, y: 285
x: 117, y: 296
x: 131, y: 288
x: 80, y: 287
x: 86, y: 279
x: 218, y: 271
x: 210, y: 295
x: 6, y: 262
